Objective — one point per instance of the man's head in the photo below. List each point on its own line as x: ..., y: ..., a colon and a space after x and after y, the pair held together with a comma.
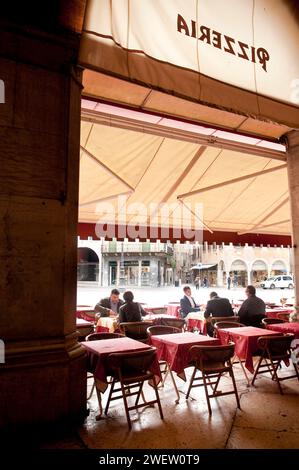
x: 213, y: 295
x: 187, y: 291
x: 250, y: 291
x: 114, y: 296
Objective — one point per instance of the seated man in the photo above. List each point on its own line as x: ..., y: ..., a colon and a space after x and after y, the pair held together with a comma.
x: 109, y: 306
x: 130, y: 311
x: 253, y: 309
x: 217, y: 307
x: 188, y: 304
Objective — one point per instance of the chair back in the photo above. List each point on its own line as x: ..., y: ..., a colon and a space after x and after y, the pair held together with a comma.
x: 214, y: 320
x: 162, y: 330
x: 270, y: 321
x: 158, y: 310
x: 137, y: 363
x: 283, y: 316
x: 136, y: 330
x: 98, y: 336
x: 276, y: 346
x: 227, y: 324
x: 176, y: 322
x: 202, y: 356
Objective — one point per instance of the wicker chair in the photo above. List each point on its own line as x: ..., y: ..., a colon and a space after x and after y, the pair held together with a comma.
x: 131, y: 370
x: 212, y: 362
x: 136, y: 330
x: 176, y: 322
x: 274, y: 350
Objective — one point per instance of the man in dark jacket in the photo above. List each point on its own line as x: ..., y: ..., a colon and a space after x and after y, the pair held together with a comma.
x: 217, y: 307
x: 188, y: 304
x: 253, y: 309
x: 109, y: 306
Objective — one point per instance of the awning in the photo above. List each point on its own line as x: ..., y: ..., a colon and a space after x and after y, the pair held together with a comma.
x: 204, y: 266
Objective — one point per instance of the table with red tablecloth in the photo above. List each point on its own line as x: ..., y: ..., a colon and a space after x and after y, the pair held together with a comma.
x: 173, y: 309
x: 245, y: 339
x: 86, y: 312
x: 174, y: 348
x: 154, y: 310
x: 285, y: 328
x: 84, y: 327
x: 272, y: 312
x: 196, y: 321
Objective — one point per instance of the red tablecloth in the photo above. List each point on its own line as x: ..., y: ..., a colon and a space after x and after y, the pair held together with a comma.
x: 86, y: 312
x: 98, y: 360
x: 174, y: 348
x: 173, y: 309
x: 272, y: 312
x: 80, y: 323
x: 198, y: 324
x: 245, y: 339
x: 285, y: 328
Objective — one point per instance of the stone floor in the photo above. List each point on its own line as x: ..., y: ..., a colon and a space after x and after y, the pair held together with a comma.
x: 267, y: 420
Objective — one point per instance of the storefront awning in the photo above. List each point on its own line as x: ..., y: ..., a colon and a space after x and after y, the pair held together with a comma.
x: 200, y: 267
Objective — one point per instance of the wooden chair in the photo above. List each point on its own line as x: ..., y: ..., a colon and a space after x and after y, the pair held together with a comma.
x: 227, y: 324
x: 212, y: 362
x: 214, y: 320
x: 270, y: 321
x: 131, y: 370
x: 283, y: 316
x: 274, y: 350
x: 96, y: 337
x: 100, y: 336
x: 136, y: 330
x: 179, y: 323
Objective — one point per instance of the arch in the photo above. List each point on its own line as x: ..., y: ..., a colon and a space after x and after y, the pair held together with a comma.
x: 239, y: 272
x: 221, y: 265
x: 87, y: 265
x: 259, y: 271
x: 278, y: 266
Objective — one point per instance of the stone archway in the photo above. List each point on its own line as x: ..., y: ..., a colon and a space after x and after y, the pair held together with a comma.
x: 259, y: 271
x: 239, y: 273
x: 87, y: 265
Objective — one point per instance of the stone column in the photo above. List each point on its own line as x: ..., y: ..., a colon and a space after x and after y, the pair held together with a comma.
x: 44, y: 375
x: 293, y: 175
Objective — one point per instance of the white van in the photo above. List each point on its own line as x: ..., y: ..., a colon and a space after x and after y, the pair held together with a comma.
x: 281, y: 281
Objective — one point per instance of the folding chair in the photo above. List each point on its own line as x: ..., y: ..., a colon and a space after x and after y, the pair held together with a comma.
x: 274, y: 350
x: 212, y: 362
x: 131, y: 370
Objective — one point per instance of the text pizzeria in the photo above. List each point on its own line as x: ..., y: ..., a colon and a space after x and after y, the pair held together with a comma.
x: 223, y: 42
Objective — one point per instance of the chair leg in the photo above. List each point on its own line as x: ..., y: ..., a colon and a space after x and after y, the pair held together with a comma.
x: 109, y: 396
x: 235, y: 387
x: 276, y: 376
x: 91, y: 392
x: 207, y: 392
x: 191, y: 382
x: 158, y: 399
x: 256, y: 370
x: 139, y: 393
x: 126, y: 405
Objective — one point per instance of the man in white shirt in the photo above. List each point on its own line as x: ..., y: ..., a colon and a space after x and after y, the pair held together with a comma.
x: 188, y: 303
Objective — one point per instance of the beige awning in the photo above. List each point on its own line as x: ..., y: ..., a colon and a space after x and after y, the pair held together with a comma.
x: 135, y: 166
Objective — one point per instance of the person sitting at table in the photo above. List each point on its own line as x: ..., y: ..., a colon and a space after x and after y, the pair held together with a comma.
x: 187, y: 303
x: 217, y: 307
x: 253, y: 309
x: 130, y: 311
x: 109, y: 306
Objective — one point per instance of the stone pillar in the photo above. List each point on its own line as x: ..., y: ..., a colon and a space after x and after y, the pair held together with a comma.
x: 293, y: 175
x: 44, y: 376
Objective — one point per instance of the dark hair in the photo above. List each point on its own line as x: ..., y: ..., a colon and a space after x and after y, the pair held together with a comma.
x: 186, y: 288
x: 250, y: 290
x: 128, y: 296
x: 213, y: 294
x: 114, y: 292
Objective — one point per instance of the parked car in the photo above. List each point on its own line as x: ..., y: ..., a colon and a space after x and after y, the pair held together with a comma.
x: 278, y: 281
